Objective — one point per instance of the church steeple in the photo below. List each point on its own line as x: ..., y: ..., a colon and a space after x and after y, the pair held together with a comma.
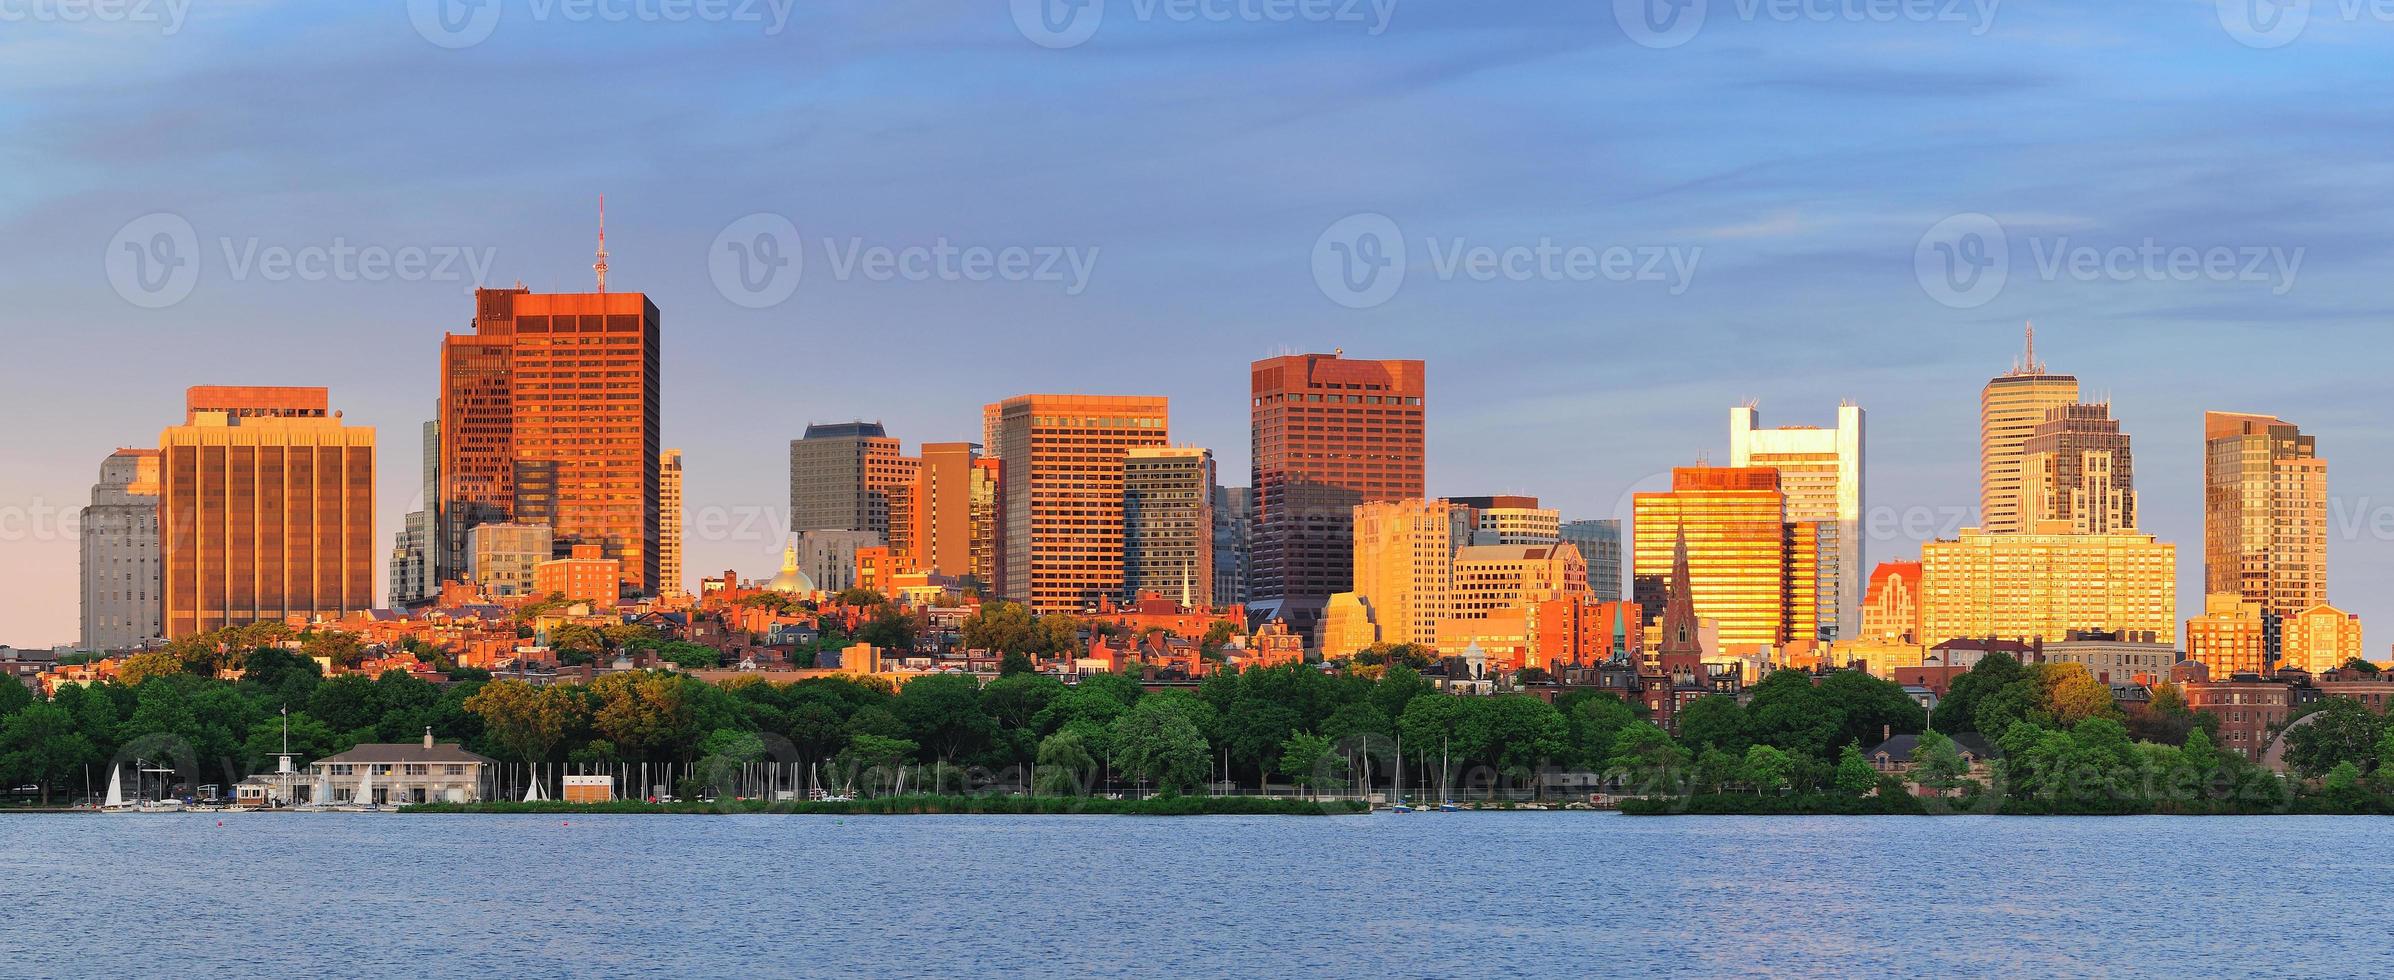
x: 1681, y: 652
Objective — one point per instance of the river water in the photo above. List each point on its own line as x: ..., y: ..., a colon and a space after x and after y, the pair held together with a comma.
x: 1419, y: 895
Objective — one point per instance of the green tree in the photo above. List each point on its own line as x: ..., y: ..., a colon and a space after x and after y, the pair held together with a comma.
x: 1065, y: 765
x: 39, y: 745
x: 1159, y: 741
x: 1854, y: 774
x: 529, y: 722
x: 943, y: 714
x: 1648, y: 760
x: 1714, y: 721
x: 2340, y: 729
x: 1767, y: 769
x: 1788, y: 712
x: 1313, y: 762
x: 1937, y: 764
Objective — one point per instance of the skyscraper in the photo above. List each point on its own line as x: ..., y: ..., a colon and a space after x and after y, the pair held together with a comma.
x: 1168, y: 524
x: 1820, y: 472
x: 2009, y: 411
x: 1062, y: 465
x: 2077, y: 473
x: 550, y: 414
x: 844, y: 476
x: 1404, y: 565
x: 266, y: 510
x: 988, y: 526
x: 1328, y: 433
x: 412, y: 562
x: 1599, y: 543
x: 1751, y: 570
x: 1234, y: 525
x: 951, y: 504
x: 120, y: 553
x: 2265, y: 512
x: 669, y: 525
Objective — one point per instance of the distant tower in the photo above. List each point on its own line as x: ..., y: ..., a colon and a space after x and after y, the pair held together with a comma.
x: 2010, y: 408
x: 600, y: 266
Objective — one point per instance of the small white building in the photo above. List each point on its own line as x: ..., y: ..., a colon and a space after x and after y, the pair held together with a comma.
x: 403, y: 772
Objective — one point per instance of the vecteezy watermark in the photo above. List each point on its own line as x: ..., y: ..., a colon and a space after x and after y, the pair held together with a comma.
x: 1671, y: 23
x: 1360, y: 261
x: 2277, y: 23
x: 155, y: 261
x: 168, y: 15
x: 758, y: 260
x: 465, y: 23
x: 1071, y: 23
x: 1965, y: 260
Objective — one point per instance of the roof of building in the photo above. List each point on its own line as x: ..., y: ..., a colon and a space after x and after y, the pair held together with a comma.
x: 1901, y: 747
x: 381, y: 753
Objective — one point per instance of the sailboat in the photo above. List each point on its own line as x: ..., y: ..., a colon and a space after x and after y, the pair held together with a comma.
x: 320, y: 797
x: 363, y: 800
x: 116, y: 802
x: 163, y: 804
x: 535, y: 794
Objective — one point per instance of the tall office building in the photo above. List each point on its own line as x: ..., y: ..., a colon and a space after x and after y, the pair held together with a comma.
x: 2077, y: 473
x: 1512, y: 520
x: 1750, y: 569
x: 266, y: 510
x: 987, y: 547
x: 846, y: 476
x: 669, y: 525
x: 2029, y: 586
x: 120, y: 554
x: 1599, y: 543
x: 550, y: 414
x: 413, y: 566
x: 1328, y: 433
x: 941, y: 506
x: 1820, y: 472
x: 2009, y: 410
x: 1062, y: 465
x: 1234, y: 523
x: 2265, y: 512
x: 1168, y: 524
x: 1404, y: 565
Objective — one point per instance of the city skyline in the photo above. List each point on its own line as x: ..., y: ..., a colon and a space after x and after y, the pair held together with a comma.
x: 1808, y: 270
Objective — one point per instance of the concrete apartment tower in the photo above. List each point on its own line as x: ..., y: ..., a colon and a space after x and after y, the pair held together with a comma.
x: 1820, y: 473
x: 1329, y: 433
x: 266, y: 510
x: 120, y: 554
x: 669, y: 525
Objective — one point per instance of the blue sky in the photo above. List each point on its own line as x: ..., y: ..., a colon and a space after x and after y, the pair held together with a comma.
x: 1794, y: 160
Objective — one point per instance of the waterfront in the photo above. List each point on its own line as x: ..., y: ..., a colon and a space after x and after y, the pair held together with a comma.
x: 1385, y: 895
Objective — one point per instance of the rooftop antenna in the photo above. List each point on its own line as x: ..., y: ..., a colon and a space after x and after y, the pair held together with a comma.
x: 600, y: 266
x: 2029, y: 364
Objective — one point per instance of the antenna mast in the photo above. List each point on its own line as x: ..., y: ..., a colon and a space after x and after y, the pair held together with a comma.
x: 600, y: 266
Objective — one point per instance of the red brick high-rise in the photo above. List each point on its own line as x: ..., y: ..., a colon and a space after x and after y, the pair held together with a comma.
x: 549, y: 415
x: 1329, y: 433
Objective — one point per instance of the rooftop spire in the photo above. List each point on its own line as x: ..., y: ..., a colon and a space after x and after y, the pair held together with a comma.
x: 600, y: 266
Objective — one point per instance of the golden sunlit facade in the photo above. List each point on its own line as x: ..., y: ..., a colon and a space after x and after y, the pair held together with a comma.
x: 2026, y: 586
x: 2265, y: 512
x: 264, y: 516
x: 1062, y: 462
x: 2232, y: 636
x: 2321, y: 638
x: 2009, y: 410
x: 1749, y: 570
x: 1404, y: 564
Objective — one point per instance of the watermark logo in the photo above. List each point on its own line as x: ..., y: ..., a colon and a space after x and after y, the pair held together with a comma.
x: 2264, y: 23
x: 153, y: 261
x: 465, y: 23
x: 454, y: 23
x: 1359, y: 261
x: 168, y: 15
x: 1660, y: 23
x: 1058, y: 23
x: 1071, y: 23
x: 757, y: 261
x: 1671, y: 23
x: 1963, y: 260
